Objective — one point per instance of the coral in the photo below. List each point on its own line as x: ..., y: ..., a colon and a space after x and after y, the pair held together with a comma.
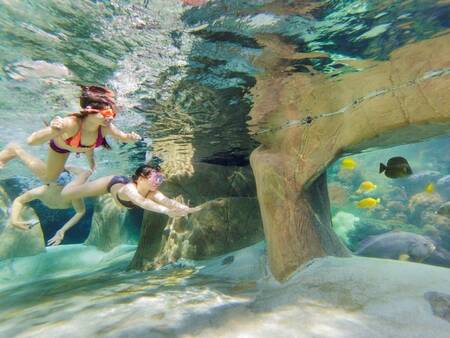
x: 343, y: 223
x: 421, y: 202
x: 338, y: 194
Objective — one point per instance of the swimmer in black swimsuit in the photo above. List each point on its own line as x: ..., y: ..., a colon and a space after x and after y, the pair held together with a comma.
x: 141, y: 191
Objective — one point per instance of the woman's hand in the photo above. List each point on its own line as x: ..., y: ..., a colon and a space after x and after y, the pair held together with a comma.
x: 57, y: 239
x: 21, y: 225
x: 133, y: 137
x: 196, y: 209
x: 57, y: 123
x: 177, y: 212
x: 24, y: 225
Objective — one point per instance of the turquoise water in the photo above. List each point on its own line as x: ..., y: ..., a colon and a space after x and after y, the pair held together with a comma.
x: 183, y: 75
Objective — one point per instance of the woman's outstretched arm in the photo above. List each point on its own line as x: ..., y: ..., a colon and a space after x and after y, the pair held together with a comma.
x: 122, y: 136
x: 145, y: 203
x: 173, y: 204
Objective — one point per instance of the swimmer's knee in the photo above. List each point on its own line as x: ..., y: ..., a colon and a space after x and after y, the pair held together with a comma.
x: 13, y: 146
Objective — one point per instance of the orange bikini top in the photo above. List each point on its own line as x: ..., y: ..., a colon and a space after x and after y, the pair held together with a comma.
x: 75, y: 141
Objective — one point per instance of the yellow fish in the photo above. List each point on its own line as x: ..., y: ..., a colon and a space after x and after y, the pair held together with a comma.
x: 368, y: 203
x: 403, y: 257
x: 429, y: 188
x: 365, y: 186
x: 348, y: 163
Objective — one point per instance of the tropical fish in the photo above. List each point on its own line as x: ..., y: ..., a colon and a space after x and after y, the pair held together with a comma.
x: 444, y: 209
x: 429, y: 188
x: 368, y: 203
x: 365, y: 186
x: 440, y: 257
x: 348, y: 163
x: 397, y: 245
x: 403, y: 257
x: 396, y: 167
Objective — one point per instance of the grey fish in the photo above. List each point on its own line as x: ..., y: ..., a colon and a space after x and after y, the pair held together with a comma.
x: 396, y: 167
x: 444, y: 209
x: 439, y: 257
x: 395, y: 244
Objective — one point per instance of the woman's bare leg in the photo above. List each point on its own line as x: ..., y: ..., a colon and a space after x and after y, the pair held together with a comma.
x: 36, y: 165
x: 55, y: 164
x: 79, y: 188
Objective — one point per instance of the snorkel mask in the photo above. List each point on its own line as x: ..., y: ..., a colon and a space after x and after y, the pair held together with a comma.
x: 156, y: 178
x: 107, y: 113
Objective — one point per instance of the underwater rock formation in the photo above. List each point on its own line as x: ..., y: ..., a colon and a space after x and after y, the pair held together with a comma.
x: 109, y: 225
x: 440, y: 304
x: 223, y: 225
x: 211, y: 181
x: 16, y: 242
x: 19, y: 243
x: 229, y: 220
x: 305, y: 120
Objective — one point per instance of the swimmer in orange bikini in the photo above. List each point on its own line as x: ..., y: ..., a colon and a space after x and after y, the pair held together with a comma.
x: 80, y: 132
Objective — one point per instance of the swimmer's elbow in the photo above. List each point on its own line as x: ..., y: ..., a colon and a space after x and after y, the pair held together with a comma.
x: 31, y: 140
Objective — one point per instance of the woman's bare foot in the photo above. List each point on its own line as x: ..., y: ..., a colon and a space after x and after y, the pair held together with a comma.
x: 8, y: 154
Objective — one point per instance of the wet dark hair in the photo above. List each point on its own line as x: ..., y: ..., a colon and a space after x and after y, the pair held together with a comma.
x: 155, y: 163
x: 144, y: 170
x: 97, y: 98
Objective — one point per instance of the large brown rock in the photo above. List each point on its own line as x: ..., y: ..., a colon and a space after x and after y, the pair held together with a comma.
x: 223, y: 225
x: 229, y: 221
x: 305, y: 120
x: 109, y: 226
x: 211, y: 181
x: 16, y: 242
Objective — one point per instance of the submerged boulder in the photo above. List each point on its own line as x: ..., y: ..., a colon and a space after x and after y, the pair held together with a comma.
x: 223, y: 225
x: 211, y: 181
x: 230, y: 218
x: 112, y: 226
x: 16, y: 242
x: 440, y: 304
